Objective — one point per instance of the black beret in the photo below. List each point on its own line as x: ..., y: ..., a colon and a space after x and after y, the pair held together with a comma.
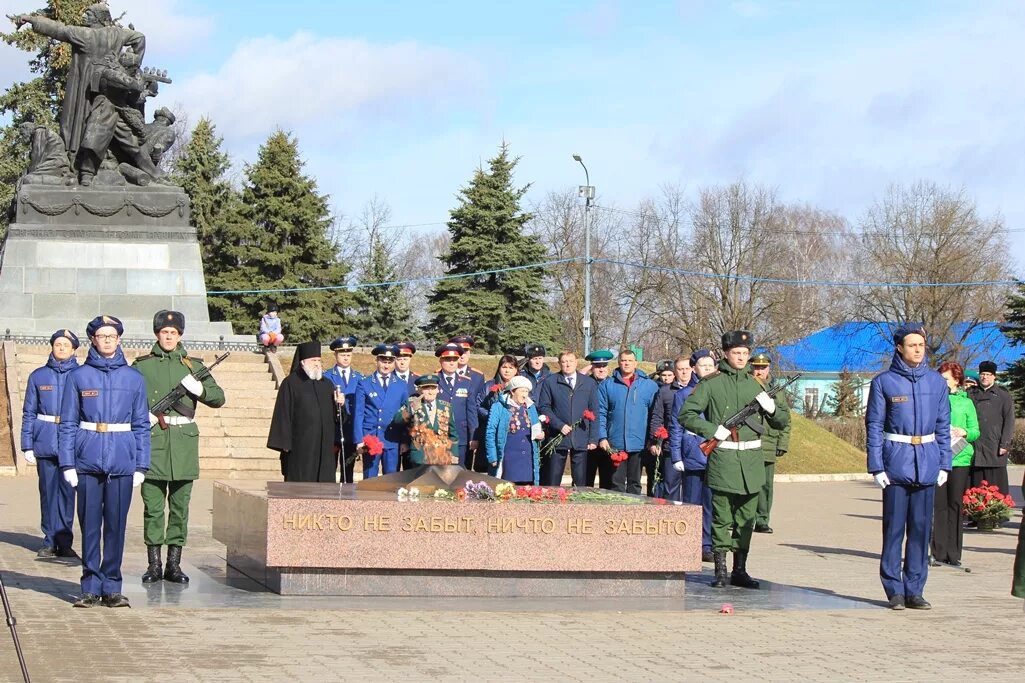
x: 67, y: 334
x: 905, y: 330
x: 104, y: 321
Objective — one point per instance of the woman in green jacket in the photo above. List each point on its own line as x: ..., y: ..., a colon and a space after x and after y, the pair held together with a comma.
x: 964, y: 424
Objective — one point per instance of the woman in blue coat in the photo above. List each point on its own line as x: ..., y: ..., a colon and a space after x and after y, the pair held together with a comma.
x: 39, y: 444
x: 514, y: 432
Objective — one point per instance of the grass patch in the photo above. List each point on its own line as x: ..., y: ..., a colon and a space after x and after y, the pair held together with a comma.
x: 814, y: 450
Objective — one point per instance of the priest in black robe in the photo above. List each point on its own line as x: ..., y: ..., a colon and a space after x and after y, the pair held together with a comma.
x: 305, y: 418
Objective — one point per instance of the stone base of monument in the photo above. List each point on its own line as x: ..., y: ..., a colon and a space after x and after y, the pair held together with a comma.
x: 72, y: 253
x: 330, y: 539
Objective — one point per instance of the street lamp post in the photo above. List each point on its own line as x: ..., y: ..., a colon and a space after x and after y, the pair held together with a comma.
x: 587, y: 192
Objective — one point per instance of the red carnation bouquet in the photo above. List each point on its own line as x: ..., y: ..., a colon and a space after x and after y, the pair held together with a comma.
x: 495, y: 388
x: 373, y: 445
x: 986, y: 505
x: 619, y: 458
x: 661, y: 434
x: 589, y: 416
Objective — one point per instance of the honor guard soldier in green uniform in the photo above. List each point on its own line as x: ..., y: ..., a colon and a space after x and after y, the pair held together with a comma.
x: 175, y: 444
x: 736, y: 470
x: 775, y: 444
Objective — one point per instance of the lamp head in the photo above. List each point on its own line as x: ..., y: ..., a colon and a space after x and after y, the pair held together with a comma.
x: 576, y: 157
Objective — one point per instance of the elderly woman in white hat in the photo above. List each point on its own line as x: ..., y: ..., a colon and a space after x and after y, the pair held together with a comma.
x: 514, y: 434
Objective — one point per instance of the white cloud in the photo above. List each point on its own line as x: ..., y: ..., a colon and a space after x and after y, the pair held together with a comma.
x: 169, y: 28
x: 270, y: 82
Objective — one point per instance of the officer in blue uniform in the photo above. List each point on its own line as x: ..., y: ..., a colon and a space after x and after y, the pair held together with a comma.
x: 907, y: 436
x: 535, y: 369
x: 378, y: 397
x: 403, y: 358
x: 457, y: 391
x: 345, y: 378
x: 104, y: 446
x: 39, y: 444
x: 476, y: 377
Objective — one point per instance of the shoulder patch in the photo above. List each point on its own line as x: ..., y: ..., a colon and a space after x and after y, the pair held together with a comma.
x: 146, y: 357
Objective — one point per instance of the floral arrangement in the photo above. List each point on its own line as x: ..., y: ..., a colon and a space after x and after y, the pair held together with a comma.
x: 660, y: 435
x: 507, y: 492
x: 986, y: 505
x: 495, y: 388
x: 554, y: 442
x: 410, y: 494
x: 373, y: 445
x: 619, y: 458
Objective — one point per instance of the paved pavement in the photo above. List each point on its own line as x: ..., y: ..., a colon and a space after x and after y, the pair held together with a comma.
x: 821, y: 617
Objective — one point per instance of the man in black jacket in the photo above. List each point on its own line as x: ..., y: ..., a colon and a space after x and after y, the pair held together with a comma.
x: 996, y: 427
x: 563, y: 399
x: 668, y: 376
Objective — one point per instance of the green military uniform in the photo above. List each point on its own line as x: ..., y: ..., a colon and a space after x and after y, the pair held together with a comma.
x: 775, y: 443
x: 414, y: 414
x: 1018, y: 575
x: 735, y: 475
x: 174, y: 452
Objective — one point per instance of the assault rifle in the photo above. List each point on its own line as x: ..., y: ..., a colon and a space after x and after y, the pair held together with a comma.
x: 174, y: 397
x: 743, y: 415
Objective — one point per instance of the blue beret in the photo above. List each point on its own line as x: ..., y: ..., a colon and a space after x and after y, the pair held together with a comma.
x: 601, y: 357
x: 67, y: 334
x: 906, y: 329
x: 343, y: 344
x: 427, y: 381
x: 450, y: 350
x: 104, y: 321
x: 385, y: 351
x: 698, y: 355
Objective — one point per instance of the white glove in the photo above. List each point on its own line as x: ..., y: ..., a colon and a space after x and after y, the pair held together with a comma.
x: 137, y: 478
x: 882, y: 480
x: 678, y: 466
x: 766, y: 402
x: 721, y: 433
x: 30, y: 457
x: 153, y: 420
x: 192, y: 385
x: 71, y: 476
x: 942, y: 478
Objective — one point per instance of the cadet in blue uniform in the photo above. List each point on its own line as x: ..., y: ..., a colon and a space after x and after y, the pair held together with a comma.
x: 598, y: 463
x: 39, y: 444
x: 907, y: 436
x: 346, y: 379
x: 104, y: 447
x: 378, y: 397
x: 457, y: 391
x: 535, y: 369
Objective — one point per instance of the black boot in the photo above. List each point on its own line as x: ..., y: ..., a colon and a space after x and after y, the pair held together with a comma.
x: 173, y: 573
x: 719, y: 557
x: 154, y: 571
x: 740, y: 577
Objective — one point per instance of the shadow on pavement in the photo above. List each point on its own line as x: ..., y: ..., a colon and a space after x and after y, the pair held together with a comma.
x: 68, y: 591
x: 877, y: 518
x: 825, y: 550
x: 1004, y: 551
x: 28, y: 541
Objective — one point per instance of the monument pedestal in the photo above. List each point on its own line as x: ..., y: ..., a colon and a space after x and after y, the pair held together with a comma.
x: 72, y: 253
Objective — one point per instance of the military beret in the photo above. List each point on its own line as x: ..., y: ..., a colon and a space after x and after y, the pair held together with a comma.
x: 385, y: 351
x: 449, y: 350
x: 173, y: 319
x: 464, y: 340
x: 104, y: 321
x: 600, y: 358
x: 737, y: 338
x: 533, y: 351
x: 343, y: 343
x: 664, y: 366
x: 698, y: 355
x: 406, y: 348
x: 427, y: 381
x: 761, y: 360
x: 988, y: 366
x: 905, y: 330
x: 67, y: 334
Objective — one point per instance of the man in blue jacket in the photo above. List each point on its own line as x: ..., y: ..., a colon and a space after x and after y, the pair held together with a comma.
x: 104, y: 451
x: 907, y: 436
x: 563, y: 399
x: 457, y: 390
x: 625, y: 401
x: 378, y: 397
x: 345, y: 378
x: 39, y: 444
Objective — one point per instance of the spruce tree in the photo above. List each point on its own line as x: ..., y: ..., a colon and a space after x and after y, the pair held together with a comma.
x: 384, y: 312
x: 283, y: 243
x: 843, y: 399
x: 1014, y: 330
x: 36, y: 100
x: 502, y: 310
x: 201, y: 171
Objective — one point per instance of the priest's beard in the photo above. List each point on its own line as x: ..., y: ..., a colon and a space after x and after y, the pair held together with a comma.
x: 314, y: 373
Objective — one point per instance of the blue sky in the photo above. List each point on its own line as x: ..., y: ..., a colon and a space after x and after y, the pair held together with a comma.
x: 827, y: 101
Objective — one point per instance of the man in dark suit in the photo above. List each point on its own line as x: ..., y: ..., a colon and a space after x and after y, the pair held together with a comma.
x: 995, y: 409
x: 457, y: 391
x: 563, y: 398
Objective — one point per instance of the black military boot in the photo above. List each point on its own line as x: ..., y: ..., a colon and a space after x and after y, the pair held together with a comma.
x: 719, y: 557
x: 155, y: 570
x: 173, y: 572
x: 740, y: 577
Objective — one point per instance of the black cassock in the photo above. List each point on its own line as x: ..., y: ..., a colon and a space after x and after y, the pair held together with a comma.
x: 303, y: 428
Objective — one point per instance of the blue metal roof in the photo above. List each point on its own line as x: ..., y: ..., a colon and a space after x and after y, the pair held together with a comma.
x: 862, y: 347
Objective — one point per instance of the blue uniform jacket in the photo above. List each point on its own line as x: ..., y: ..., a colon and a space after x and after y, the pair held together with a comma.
x: 464, y: 406
x: 104, y: 390
x: 43, y: 397
x: 349, y: 389
x: 683, y: 445
x: 477, y: 384
x: 564, y: 406
x: 623, y: 412
x: 374, y: 407
x: 535, y: 380
x: 410, y: 383
x: 912, y: 402
x: 498, y: 433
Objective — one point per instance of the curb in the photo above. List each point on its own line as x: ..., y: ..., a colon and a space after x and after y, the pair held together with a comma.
x: 798, y: 478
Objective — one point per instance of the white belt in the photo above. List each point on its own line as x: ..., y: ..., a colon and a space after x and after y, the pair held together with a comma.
x: 914, y: 440
x: 178, y: 420
x: 105, y: 426
x: 55, y: 419
x: 740, y: 445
